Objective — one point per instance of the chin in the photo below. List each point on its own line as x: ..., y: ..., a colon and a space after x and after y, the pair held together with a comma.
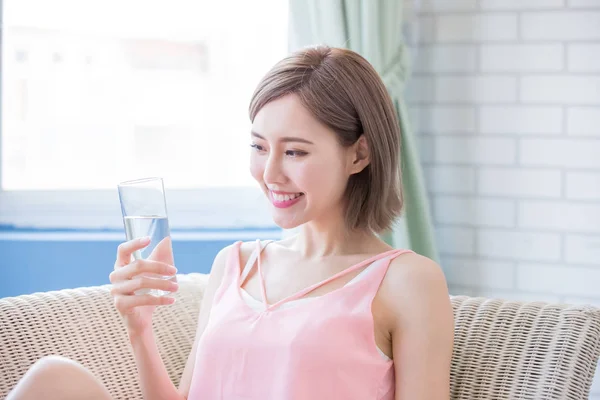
x: 286, y: 219
x: 285, y: 223
x: 289, y: 218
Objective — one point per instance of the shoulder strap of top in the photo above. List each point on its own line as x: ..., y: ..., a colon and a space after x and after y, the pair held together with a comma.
x: 373, y: 280
x: 232, y: 268
x: 382, y: 256
x: 252, y: 259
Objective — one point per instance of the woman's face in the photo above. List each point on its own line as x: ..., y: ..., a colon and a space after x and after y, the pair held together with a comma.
x: 298, y: 162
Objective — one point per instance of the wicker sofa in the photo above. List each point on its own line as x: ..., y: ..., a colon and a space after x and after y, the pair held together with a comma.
x: 503, y: 349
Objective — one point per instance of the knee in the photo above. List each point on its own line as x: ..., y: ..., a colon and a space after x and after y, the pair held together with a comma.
x: 46, y: 374
x: 53, y: 367
x: 57, y: 377
x: 49, y: 373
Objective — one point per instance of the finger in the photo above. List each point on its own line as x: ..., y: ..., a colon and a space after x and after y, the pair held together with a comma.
x: 141, y: 266
x: 126, y: 304
x: 126, y: 249
x: 128, y: 287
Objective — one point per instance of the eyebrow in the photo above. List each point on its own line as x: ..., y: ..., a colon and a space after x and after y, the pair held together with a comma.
x: 285, y: 139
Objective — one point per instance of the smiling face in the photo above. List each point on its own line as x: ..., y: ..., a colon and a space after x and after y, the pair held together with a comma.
x: 299, y: 163
x: 326, y: 141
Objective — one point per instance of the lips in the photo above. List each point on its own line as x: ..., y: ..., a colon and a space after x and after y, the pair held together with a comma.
x: 283, y: 196
x: 285, y: 199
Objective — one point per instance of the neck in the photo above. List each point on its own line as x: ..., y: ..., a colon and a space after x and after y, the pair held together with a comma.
x: 319, y: 240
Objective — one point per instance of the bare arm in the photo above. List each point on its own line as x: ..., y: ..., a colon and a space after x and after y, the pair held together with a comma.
x: 214, y: 280
x: 422, y: 328
x: 154, y: 378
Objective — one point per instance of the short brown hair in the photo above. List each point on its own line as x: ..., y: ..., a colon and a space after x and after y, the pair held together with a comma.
x: 344, y: 92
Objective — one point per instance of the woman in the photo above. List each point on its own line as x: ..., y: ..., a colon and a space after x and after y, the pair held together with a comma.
x: 330, y: 313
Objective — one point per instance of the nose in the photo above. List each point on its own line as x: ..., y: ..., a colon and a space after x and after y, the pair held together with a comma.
x: 273, y: 172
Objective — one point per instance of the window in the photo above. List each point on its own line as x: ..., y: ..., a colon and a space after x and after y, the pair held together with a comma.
x: 95, y: 92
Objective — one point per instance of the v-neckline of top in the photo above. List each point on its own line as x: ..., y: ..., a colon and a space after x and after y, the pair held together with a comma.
x: 299, y: 294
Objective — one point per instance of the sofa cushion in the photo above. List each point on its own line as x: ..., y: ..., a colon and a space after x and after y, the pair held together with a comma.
x: 83, y: 324
x: 502, y: 349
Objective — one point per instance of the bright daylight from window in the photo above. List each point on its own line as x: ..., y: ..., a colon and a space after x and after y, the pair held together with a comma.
x: 123, y: 89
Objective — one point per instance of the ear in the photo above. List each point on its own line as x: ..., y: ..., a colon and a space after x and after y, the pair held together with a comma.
x: 359, y: 155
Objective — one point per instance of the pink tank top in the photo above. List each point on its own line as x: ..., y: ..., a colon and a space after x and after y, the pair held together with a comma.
x: 319, y: 350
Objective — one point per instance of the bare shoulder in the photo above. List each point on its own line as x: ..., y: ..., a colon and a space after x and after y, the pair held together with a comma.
x: 246, y: 249
x: 420, y: 323
x: 415, y: 284
x: 219, y: 264
x: 413, y: 272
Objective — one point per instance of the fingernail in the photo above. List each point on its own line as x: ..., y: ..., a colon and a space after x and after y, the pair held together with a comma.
x: 145, y: 239
x: 172, y: 269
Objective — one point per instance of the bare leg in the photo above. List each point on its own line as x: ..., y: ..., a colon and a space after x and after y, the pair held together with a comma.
x: 58, y: 378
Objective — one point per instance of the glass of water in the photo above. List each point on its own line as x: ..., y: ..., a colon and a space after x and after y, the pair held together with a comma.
x: 144, y: 211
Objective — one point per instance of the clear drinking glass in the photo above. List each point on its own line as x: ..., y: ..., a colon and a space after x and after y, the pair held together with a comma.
x: 144, y: 211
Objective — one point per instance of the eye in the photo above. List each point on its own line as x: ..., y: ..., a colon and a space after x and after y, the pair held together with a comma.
x: 295, y: 153
x: 257, y: 147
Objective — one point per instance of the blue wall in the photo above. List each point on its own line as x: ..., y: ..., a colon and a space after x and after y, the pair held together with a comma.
x: 37, y: 264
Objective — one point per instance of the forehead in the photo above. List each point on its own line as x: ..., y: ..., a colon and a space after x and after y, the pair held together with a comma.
x: 286, y: 116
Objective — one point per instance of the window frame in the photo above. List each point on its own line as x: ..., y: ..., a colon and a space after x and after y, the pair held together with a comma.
x: 231, y: 207
x: 210, y: 208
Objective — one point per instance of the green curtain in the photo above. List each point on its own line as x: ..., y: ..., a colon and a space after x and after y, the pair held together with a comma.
x: 373, y: 28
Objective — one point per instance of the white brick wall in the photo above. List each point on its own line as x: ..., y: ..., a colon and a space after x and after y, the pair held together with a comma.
x: 583, y: 3
x: 520, y: 182
x: 567, y: 153
x: 520, y: 120
x: 450, y: 179
x: 444, y: 119
x: 489, y: 274
x: 456, y: 240
x: 452, y: 5
x: 521, y: 57
x: 447, y: 58
x: 517, y: 245
x: 564, y: 280
x: 475, y: 150
x: 584, y: 57
x: 472, y: 89
x: 560, y: 89
x: 560, y: 26
x: 560, y: 216
x: 474, y: 211
x: 583, y: 185
x: 582, y: 249
x: 505, y: 98
x: 520, y: 4
x: 475, y: 27
x: 583, y: 121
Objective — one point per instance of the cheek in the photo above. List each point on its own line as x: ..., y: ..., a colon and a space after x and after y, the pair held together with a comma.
x: 322, y: 179
x: 257, y: 168
x: 304, y: 176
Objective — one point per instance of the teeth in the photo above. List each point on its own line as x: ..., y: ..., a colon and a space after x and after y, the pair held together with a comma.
x: 285, y: 197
